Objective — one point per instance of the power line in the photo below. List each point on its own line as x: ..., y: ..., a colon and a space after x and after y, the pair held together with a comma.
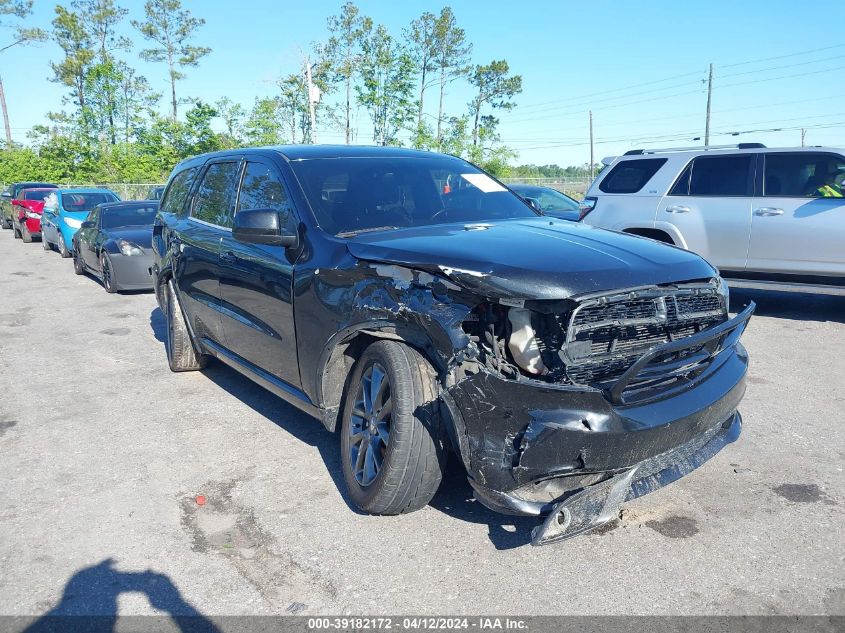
x: 762, y: 70
x: 768, y: 59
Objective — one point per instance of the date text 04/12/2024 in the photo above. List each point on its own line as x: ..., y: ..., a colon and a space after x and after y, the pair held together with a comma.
x: 429, y: 623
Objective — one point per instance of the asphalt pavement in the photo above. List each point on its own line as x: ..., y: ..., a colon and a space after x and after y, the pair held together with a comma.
x: 103, y: 452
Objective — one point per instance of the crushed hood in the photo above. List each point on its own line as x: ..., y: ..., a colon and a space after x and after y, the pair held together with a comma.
x: 542, y: 258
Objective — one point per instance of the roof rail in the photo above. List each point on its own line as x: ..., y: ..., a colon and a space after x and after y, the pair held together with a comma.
x: 637, y: 152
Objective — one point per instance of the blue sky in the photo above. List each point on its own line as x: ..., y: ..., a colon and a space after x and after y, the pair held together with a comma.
x: 640, y: 66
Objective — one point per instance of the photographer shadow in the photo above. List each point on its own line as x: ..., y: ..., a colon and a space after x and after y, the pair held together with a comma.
x: 89, y: 602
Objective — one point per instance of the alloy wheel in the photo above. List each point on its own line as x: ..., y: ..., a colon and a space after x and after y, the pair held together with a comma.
x: 369, y: 430
x: 106, y: 272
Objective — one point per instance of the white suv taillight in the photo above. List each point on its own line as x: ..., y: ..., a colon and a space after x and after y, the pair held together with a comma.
x: 586, y: 205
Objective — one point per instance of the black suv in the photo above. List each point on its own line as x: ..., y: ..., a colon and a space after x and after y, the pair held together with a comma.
x: 417, y: 304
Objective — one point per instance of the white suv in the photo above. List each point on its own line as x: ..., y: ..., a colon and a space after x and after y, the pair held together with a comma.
x: 767, y: 218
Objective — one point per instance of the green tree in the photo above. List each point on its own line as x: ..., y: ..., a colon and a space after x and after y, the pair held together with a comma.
x: 21, y: 34
x: 19, y: 9
x: 263, y: 125
x: 494, y: 89
x: 348, y: 30
x: 231, y: 114
x: 293, y: 105
x: 135, y: 98
x: 451, y: 61
x: 172, y: 29
x: 73, y: 38
x: 422, y: 41
x: 387, y: 72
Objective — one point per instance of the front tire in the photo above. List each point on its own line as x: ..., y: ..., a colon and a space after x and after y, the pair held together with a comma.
x: 26, y: 235
x: 63, y: 249
x: 106, y: 273
x: 392, y: 451
x: 78, y: 266
x: 15, y: 232
x: 44, y: 243
x: 181, y: 353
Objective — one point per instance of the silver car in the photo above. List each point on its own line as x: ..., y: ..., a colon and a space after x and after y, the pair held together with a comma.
x: 766, y: 218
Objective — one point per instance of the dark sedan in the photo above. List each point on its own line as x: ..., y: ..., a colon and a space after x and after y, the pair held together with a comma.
x: 549, y: 201
x: 114, y: 244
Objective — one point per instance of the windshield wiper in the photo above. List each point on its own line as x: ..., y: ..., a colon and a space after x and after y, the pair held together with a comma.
x: 367, y: 230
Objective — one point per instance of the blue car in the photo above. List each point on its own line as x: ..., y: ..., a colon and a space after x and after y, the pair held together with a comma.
x: 64, y: 212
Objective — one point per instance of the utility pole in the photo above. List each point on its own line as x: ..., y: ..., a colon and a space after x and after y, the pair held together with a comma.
x: 5, y: 116
x: 313, y: 97
x: 709, y: 96
x: 803, y: 135
x: 592, y: 159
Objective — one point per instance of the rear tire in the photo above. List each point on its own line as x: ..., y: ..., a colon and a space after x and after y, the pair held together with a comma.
x: 63, y: 249
x: 26, y: 235
x: 391, y: 395
x: 181, y: 353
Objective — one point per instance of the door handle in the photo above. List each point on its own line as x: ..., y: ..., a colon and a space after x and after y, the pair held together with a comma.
x: 678, y: 208
x: 766, y: 211
x: 228, y: 256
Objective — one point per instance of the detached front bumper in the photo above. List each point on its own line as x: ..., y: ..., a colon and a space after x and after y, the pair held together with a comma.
x: 132, y: 272
x: 576, y: 453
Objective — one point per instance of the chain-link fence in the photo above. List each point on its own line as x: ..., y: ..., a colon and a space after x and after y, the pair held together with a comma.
x: 575, y: 187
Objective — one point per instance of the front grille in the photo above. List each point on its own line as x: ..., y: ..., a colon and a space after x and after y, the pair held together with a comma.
x: 606, y: 334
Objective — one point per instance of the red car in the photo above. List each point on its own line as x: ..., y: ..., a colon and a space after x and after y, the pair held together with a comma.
x: 26, y: 213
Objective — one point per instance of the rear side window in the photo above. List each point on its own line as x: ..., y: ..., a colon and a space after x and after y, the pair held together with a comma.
x: 174, y: 198
x: 721, y: 176
x: 630, y: 176
x: 803, y: 175
x: 215, y: 199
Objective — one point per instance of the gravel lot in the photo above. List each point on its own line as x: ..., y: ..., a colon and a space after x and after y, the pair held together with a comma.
x: 103, y: 450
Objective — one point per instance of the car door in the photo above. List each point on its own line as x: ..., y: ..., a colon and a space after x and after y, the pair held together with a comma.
x: 198, y: 243
x: 86, y: 237
x: 256, y: 282
x: 710, y: 204
x: 794, y: 228
x: 50, y: 218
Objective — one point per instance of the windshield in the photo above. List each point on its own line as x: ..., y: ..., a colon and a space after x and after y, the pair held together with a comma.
x: 36, y: 194
x: 74, y: 202
x: 134, y: 215
x: 349, y: 195
x: 549, y: 200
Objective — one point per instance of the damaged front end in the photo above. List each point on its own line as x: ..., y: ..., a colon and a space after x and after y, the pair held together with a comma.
x: 565, y: 408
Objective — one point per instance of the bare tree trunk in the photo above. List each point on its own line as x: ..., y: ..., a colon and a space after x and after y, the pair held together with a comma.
x: 440, y: 109
x: 5, y: 116
x: 172, y: 83
x: 348, y: 97
x: 475, y: 127
x: 422, y: 97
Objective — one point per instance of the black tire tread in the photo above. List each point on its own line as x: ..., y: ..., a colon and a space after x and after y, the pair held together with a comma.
x: 181, y: 353
x: 413, y: 474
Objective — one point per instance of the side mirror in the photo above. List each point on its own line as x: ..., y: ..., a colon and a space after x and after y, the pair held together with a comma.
x: 6, y: 194
x: 17, y: 202
x: 88, y: 224
x: 262, y: 226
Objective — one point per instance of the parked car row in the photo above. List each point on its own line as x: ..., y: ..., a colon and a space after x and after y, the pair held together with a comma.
x: 418, y: 306
x: 105, y: 237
